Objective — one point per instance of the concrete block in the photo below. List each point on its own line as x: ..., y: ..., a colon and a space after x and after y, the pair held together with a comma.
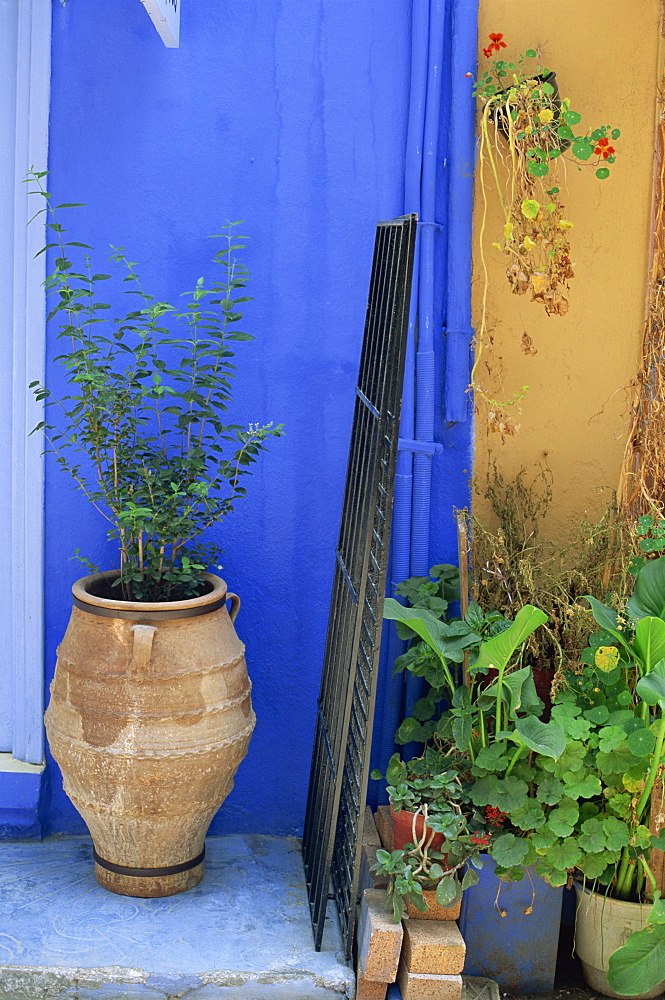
x: 368, y: 878
x: 367, y: 990
x: 433, y: 947
x: 370, y: 833
x: 384, y: 825
x: 434, y: 911
x: 420, y: 986
x: 379, y: 938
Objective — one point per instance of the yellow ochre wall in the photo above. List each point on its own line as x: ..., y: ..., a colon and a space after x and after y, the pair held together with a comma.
x: 607, y: 55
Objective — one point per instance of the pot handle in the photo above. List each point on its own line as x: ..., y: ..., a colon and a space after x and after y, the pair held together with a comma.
x: 143, y: 636
x: 235, y: 605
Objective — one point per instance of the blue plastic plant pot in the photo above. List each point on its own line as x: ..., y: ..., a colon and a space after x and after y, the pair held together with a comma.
x: 511, y: 930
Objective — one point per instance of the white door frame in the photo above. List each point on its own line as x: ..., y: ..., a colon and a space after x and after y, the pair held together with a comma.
x: 23, y: 287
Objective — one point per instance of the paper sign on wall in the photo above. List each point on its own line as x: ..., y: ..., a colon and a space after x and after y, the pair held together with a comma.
x: 165, y: 15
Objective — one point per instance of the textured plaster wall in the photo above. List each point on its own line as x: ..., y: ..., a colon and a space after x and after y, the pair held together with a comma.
x: 574, y: 417
x: 290, y: 115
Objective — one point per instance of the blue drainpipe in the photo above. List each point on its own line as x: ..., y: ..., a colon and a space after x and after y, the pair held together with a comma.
x: 411, y: 513
x: 425, y: 360
x: 400, y: 565
x: 461, y: 156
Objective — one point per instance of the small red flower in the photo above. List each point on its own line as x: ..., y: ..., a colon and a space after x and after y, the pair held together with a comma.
x: 481, y: 839
x: 604, y: 149
x: 496, y: 44
x: 494, y: 816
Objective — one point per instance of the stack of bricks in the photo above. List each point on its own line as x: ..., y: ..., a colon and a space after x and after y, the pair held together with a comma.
x: 432, y: 960
x: 425, y: 957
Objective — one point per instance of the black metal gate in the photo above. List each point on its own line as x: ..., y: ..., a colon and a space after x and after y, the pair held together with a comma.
x: 340, y: 761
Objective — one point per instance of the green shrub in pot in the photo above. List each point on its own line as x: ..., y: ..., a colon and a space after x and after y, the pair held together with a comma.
x: 141, y: 425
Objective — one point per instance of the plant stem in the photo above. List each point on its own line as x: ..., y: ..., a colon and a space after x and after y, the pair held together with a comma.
x: 625, y: 876
x: 653, y: 771
x: 483, y: 728
x: 513, y: 760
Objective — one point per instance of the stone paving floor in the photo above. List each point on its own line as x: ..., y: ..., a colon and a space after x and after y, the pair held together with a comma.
x: 242, y: 934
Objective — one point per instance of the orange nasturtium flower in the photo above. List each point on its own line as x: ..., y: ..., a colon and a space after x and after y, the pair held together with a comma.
x: 604, y: 149
x: 496, y: 44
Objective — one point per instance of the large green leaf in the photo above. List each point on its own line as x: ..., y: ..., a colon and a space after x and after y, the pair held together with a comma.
x: 497, y: 651
x: 503, y: 793
x: 639, y: 965
x: 546, y: 738
x: 650, y: 641
x: 422, y: 621
x: 649, y: 594
x: 651, y: 688
x: 440, y: 636
x: 518, y: 689
x: 582, y: 786
x: 563, y: 818
x: 605, y: 617
x: 508, y: 850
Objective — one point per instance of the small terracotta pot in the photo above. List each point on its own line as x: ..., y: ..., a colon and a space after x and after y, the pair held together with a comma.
x: 403, y: 830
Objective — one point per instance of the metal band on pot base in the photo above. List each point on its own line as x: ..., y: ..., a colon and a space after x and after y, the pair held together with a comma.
x: 148, y: 872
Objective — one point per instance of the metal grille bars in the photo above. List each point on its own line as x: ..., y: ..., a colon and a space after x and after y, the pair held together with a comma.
x: 340, y: 761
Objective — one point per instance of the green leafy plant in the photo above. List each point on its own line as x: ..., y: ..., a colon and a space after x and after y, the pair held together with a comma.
x: 437, y: 644
x: 486, y: 729
x: 430, y: 790
x: 141, y: 428
x: 521, y: 109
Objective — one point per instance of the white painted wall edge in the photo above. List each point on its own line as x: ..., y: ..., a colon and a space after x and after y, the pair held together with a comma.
x: 27, y: 528
x: 10, y: 765
x: 165, y: 15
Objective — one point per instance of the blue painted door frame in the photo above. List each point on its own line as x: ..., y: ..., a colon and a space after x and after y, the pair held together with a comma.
x: 292, y: 116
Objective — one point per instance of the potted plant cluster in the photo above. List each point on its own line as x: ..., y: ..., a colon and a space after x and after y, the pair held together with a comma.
x: 621, y: 691
x: 150, y: 712
x: 562, y: 799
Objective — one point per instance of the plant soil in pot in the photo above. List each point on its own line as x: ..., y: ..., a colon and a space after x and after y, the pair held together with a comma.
x: 149, y: 718
x: 602, y: 925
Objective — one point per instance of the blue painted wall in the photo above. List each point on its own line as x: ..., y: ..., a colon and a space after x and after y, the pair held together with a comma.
x: 290, y: 115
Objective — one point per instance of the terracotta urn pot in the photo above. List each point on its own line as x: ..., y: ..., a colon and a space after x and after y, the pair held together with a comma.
x: 149, y: 718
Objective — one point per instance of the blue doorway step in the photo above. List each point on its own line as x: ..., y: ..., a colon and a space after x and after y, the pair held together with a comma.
x: 244, y: 933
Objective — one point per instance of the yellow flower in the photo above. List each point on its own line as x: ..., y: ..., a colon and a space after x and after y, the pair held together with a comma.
x: 546, y: 116
x: 565, y: 224
x: 528, y: 243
